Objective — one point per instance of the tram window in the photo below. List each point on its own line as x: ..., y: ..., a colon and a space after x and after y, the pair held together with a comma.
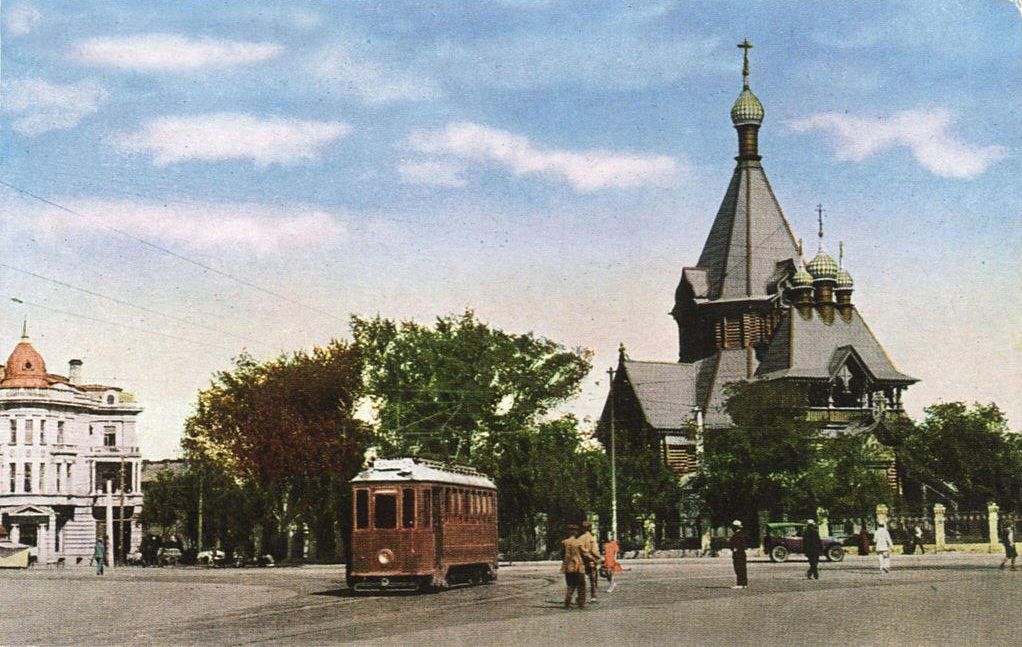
x: 465, y: 503
x: 408, y: 508
x: 385, y: 514
x: 426, y: 514
x: 361, y: 509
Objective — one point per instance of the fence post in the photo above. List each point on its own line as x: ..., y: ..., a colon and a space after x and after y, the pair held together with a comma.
x: 992, y: 525
x: 939, y: 517
x: 882, y: 513
x: 823, y: 522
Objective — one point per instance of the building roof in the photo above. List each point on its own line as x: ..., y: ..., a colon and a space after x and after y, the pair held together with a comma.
x: 398, y: 470
x: 666, y: 391
x: 25, y: 367
x: 813, y: 349
x: 749, y: 224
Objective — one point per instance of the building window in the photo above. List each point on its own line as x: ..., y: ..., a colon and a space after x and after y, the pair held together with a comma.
x: 13, y: 477
x: 110, y: 436
x: 57, y: 474
x: 42, y: 432
x: 60, y: 432
x: 14, y: 432
x: 69, y: 477
x: 110, y: 399
x: 42, y: 477
x: 28, y: 477
x: 29, y: 431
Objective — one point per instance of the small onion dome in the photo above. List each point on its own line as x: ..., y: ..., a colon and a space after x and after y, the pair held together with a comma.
x: 747, y: 109
x: 823, y: 267
x: 801, y: 279
x: 844, y: 280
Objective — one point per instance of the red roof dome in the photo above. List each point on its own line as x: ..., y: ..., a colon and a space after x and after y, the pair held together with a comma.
x: 25, y: 367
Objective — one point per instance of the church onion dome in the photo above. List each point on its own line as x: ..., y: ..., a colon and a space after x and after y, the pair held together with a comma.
x: 801, y: 279
x: 747, y: 109
x: 844, y: 280
x: 25, y: 368
x: 823, y: 267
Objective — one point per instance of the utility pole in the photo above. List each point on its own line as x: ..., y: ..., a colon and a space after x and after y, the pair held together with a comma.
x: 120, y: 531
x: 613, y: 462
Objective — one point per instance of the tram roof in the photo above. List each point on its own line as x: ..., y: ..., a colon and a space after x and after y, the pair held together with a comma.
x: 390, y: 470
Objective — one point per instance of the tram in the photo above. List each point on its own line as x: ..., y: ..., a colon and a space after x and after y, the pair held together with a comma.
x: 420, y: 524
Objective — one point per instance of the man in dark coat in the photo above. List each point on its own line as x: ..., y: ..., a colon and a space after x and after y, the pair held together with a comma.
x: 739, y: 541
x: 813, y: 548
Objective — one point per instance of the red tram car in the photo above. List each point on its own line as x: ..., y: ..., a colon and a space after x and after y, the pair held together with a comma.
x: 421, y: 524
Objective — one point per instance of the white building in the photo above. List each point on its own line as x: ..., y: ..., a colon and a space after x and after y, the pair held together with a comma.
x: 70, y: 466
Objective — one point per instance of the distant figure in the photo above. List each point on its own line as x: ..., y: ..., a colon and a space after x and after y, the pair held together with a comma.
x: 610, y: 563
x: 863, y: 541
x: 917, y: 540
x: 738, y: 543
x: 99, y: 555
x: 591, y: 557
x: 1008, y: 539
x: 884, y: 545
x: 573, y: 567
x: 813, y: 548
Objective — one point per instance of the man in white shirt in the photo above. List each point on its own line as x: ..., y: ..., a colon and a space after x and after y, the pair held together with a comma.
x: 883, y: 542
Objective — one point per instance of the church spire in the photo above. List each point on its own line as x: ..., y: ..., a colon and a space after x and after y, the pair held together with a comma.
x: 24, y: 329
x: 747, y: 113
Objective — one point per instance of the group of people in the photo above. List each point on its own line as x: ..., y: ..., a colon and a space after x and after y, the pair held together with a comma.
x: 581, y: 559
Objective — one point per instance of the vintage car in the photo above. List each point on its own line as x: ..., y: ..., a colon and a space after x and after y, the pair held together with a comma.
x: 783, y: 539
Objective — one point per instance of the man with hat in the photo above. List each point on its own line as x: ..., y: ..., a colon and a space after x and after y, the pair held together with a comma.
x: 591, y: 557
x: 739, y: 541
x: 813, y: 548
x: 572, y: 567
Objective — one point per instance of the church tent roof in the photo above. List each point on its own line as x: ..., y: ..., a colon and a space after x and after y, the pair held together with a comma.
x: 813, y: 349
x: 666, y: 391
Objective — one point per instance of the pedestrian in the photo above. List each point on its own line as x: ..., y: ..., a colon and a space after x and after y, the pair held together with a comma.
x: 863, y: 541
x: 738, y: 543
x: 1008, y: 539
x: 573, y: 567
x: 812, y: 547
x: 610, y: 563
x: 591, y: 557
x: 99, y: 555
x: 917, y: 540
x: 884, y: 545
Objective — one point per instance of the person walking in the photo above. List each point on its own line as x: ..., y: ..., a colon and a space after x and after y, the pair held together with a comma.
x: 591, y: 557
x: 738, y: 543
x: 99, y: 555
x: 863, y: 541
x: 1008, y: 539
x: 812, y: 547
x: 610, y: 563
x: 573, y: 567
x: 884, y: 545
x: 917, y: 540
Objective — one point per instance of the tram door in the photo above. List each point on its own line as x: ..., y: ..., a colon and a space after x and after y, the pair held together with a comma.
x: 439, y: 506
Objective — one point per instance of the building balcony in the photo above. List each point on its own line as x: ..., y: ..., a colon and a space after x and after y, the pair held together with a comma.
x: 115, y: 450
x: 844, y: 415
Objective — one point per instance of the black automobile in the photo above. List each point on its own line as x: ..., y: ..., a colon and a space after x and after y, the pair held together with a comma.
x: 783, y: 539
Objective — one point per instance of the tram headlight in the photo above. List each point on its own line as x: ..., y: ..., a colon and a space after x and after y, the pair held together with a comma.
x: 385, y: 556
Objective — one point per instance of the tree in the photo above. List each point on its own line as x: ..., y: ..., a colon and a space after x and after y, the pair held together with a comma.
x: 970, y: 448
x: 287, y: 428
x: 465, y: 392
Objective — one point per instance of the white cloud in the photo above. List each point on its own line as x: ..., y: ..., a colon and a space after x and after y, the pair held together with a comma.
x: 432, y: 173
x: 39, y: 106
x: 342, y: 68
x: 585, y: 171
x: 206, y: 226
x: 22, y: 19
x: 171, y: 52
x: 230, y: 136
x: 924, y: 132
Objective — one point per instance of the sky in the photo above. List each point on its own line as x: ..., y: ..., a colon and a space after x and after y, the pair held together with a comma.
x: 180, y: 181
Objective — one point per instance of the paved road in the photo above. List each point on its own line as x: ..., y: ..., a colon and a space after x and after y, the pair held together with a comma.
x: 926, y: 600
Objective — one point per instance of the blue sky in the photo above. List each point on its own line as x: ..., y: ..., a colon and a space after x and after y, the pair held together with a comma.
x: 551, y: 164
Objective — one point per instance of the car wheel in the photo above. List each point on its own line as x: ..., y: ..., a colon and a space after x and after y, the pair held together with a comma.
x: 835, y: 553
x: 778, y: 553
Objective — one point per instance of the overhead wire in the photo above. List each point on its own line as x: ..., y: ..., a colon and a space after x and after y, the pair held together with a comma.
x: 181, y: 257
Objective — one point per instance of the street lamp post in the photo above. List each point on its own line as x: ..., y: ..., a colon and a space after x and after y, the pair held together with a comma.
x: 613, y: 462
